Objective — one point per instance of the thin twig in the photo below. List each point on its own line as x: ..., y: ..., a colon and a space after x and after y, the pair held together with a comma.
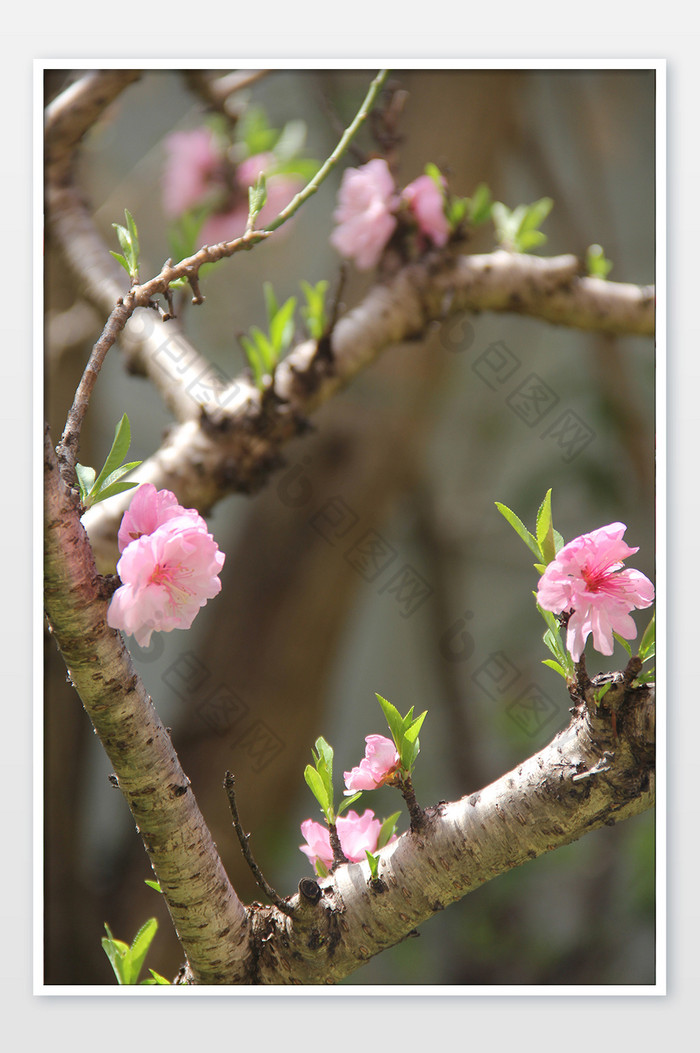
x: 330, y: 162
x: 273, y: 896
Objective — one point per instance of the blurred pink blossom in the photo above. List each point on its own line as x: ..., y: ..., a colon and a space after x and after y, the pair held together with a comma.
x: 426, y: 202
x: 168, y: 573
x: 380, y: 761
x: 190, y: 169
x: 357, y: 834
x: 366, y: 202
x: 586, y: 576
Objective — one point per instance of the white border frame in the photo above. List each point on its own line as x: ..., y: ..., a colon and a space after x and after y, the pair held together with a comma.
x: 660, y: 987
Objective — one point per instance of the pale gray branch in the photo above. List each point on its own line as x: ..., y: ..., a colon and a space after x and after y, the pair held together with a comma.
x: 237, y: 442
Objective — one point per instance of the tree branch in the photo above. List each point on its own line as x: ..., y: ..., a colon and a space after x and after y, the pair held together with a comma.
x: 585, y: 778
x: 210, y: 920
x: 237, y: 442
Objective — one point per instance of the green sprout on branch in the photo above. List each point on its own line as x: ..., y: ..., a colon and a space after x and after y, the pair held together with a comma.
x: 127, y: 961
x: 129, y: 241
x: 518, y: 230
x: 93, y: 487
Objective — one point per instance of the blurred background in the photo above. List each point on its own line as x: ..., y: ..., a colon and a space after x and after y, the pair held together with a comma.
x: 425, y: 593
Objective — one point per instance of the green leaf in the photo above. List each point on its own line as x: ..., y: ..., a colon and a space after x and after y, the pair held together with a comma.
x: 282, y: 327
x: 387, y: 829
x: 86, y: 480
x: 647, y: 645
x: 255, y: 360
x: 321, y: 869
x: 545, y: 529
x: 119, y: 450
x: 480, y: 205
x: 347, y: 801
x: 314, y: 311
x: 435, y: 174
x: 291, y: 140
x: 110, y: 491
x: 373, y: 864
x: 253, y: 129
x: 520, y: 529
x: 536, y: 214
x: 621, y: 640
x: 117, y: 952
x: 139, y: 947
x: 601, y: 692
x: 318, y: 788
x: 153, y: 884
x: 393, y: 719
x: 556, y: 667
x: 410, y: 736
x: 271, y: 305
x: 156, y: 978
x: 133, y: 232
x: 257, y: 196
x: 596, y: 263
x: 120, y: 259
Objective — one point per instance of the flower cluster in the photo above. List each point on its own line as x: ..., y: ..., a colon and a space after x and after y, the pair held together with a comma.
x: 357, y: 834
x: 378, y: 765
x: 197, y: 173
x: 169, y: 566
x: 368, y: 205
x: 586, y: 577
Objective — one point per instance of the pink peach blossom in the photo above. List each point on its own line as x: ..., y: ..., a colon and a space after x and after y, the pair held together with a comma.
x: 586, y: 577
x: 366, y: 201
x: 380, y: 762
x: 190, y: 169
x: 169, y: 566
x: 150, y: 508
x: 426, y: 202
x: 357, y: 834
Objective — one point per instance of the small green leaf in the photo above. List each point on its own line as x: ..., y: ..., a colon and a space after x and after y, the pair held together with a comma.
x: 321, y: 868
x: 600, y: 692
x: 556, y: 667
x: 480, y: 205
x: 373, y: 864
x: 647, y: 645
x: 387, y: 829
x: 154, y: 885
x: 621, y: 640
x: 86, y: 480
x: 347, y: 801
x: 257, y: 196
x: 596, y: 263
x: 393, y: 719
x: 282, y: 327
x: 156, y: 978
x: 520, y: 529
x: 271, y: 305
x: 435, y: 174
x: 133, y: 232
x: 139, y: 947
x: 318, y: 788
x: 545, y: 529
x: 119, y: 450
x: 110, y: 491
x: 120, y: 259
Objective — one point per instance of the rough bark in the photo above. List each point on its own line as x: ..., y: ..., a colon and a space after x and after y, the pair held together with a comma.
x: 209, y: 918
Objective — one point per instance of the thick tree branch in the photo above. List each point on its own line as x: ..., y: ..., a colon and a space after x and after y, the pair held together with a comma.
x: 585, y: 778
x: 237, y: 441
x: 210, y: 920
